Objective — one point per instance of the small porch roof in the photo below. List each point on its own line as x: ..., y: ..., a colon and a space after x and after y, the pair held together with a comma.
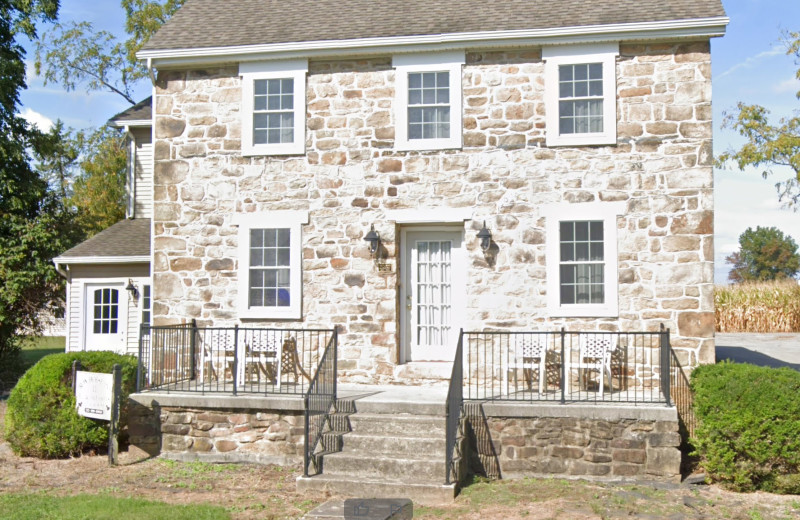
x: 127, y: 241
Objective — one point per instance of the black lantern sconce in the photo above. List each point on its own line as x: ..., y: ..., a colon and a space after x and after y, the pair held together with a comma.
x: 485, y: 237
x: 374, y: 240
x: 132, y: 289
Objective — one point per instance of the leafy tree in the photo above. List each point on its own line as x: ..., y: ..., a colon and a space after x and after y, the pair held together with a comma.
x: 75, y: 54
x: 56, y: 155
x: 769, y: 145
x: 764, y: 254
x: 98, y: 193
x: 33, y: 228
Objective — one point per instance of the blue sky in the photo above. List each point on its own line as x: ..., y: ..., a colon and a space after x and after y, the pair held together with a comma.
x: 749, y: 64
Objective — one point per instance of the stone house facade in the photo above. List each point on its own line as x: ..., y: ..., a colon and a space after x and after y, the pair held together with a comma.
x: 647, y: 181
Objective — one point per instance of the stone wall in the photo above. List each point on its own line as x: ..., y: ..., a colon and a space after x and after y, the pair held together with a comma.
x: 661, y: 168
x: 218, y: 434
x: 589, y: 447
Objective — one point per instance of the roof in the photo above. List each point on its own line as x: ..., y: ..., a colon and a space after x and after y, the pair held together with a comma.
x: 211, y: 23
x: 125, y: 239
x: 138, y: 113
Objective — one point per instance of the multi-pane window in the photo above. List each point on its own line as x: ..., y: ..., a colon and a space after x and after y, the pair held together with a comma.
x: 273, y: 111
x: 270, y: 256
x: 580, y: 98
x: 106, y: 311
x: 429, y: 105
x: 433, y: 287
x: 581, y: 263
x: 146, y: 305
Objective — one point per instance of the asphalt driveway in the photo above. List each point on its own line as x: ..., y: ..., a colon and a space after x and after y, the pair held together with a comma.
x: 769, y: 350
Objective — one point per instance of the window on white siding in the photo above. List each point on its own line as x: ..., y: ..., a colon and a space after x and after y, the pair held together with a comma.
x: 106, y: 311
x: 146, y: 303
x: 273, y: 107
x: 580, y: 94
x: 582, y: 259
x: 270, y: 259
x: 428, y: 101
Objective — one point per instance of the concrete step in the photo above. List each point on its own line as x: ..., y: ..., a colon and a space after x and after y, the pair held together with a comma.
x: 384, y: 467
x: 404, y: 425
x: 393, y: 445
x: 365, y: 487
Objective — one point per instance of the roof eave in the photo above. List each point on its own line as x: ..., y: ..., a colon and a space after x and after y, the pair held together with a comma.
x: 694, y: 28
x: 121, y: 123
x: 65, y: 260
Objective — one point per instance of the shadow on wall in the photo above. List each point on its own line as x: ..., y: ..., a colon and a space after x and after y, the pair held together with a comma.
x: 743, y: 355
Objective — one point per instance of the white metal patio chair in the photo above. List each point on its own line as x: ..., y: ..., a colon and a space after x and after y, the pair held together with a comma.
x: 217, y: 350
x: 530, y: 352
x: 262, y: 354
x: 595, y: 352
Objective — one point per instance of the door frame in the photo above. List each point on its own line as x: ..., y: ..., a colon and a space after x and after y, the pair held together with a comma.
x: 87, y: 308
x: 458, y: 282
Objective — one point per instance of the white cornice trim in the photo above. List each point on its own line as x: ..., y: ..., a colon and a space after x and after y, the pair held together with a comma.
x: 131, y: 122
x: 700, y: 27
x: 64, y: 260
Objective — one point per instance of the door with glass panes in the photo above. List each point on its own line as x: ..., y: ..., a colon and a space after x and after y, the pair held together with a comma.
x: 105, y: 317
x: 432, y: 294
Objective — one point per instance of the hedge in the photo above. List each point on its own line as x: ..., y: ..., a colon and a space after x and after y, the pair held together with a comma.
x: 748, y: 432
x: 41, y: 420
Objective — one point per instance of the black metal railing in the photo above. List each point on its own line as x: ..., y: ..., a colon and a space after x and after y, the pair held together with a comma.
x: 319, y: 400
x: 455, y: 400
x: 188, y: 358
x: 682, y: 396
x: 568, y: 366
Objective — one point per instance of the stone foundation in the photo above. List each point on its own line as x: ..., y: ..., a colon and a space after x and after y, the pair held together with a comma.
x: 216, y: 432
x: 603, y: 443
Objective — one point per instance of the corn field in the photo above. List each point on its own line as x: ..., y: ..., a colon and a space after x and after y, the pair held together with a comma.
x: 758, y: 307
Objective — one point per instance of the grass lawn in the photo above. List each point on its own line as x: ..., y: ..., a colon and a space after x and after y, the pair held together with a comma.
x: 35, y: 348
x: 40, y: 506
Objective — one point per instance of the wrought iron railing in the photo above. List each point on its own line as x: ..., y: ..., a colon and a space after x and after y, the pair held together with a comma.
x: 455, y: 400
x: 568, y: 366
x: 319, y: 400
x: 683, y: 398
x: 188, y: 358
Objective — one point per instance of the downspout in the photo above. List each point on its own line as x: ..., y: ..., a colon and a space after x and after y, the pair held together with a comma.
x: 60, y: 270
x: 150, y: 71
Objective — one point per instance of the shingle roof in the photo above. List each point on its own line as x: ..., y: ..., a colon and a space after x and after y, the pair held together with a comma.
x: 130, y: 237
x: 141, y: 111
x: 214, y: 23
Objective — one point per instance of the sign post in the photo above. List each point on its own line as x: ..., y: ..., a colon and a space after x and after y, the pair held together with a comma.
x: 97, y: 396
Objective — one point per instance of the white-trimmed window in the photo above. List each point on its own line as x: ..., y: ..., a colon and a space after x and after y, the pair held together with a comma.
x: 581, y: 94
x: 273, y: 107
x: 146, y: 307
x: 428, y: 100
x: 270, y: 259
x: 581, y: 249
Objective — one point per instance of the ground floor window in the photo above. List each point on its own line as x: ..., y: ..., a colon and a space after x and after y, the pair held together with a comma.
x: 106, y: 311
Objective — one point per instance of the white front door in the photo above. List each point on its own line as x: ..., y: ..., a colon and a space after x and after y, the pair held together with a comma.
x: 433, y: 294
x: 105, y: 316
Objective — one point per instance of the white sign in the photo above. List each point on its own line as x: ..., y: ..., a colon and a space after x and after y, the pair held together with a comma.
x: 94, y: 394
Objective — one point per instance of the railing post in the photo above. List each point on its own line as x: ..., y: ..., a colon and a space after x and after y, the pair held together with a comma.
x: 563, y: 367
x: 665, y: 365
x: 236, y: 357
x: 305, y: 442
x: 139, y: 361
x: 193, y: 351
x: 335, y: 360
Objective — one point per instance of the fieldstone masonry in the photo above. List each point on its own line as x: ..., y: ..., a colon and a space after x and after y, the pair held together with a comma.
x: 618, y: 448
x: 218, y: 435
x: 350, y: 176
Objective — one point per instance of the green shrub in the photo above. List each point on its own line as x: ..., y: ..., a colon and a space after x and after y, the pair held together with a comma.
x: 748, y: 432
x: 41, y: 420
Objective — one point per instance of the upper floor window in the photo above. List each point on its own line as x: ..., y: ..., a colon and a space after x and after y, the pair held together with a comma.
x: 581, y: 249
x: 270, y: 259
x: 580, y: 94
x: 428, y: 100
x: 273, y: 107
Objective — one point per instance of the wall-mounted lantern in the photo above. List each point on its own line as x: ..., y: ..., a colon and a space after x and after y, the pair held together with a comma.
x: 485, y: 237
x: 132, y: 289
x: 374, y: 240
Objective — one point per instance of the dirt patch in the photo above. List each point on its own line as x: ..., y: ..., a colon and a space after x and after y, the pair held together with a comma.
x: 255, y: 491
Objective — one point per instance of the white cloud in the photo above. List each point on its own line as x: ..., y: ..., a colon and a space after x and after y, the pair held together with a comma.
x: 43, y: 122
x: 753, y: 60
x: 789, y: 85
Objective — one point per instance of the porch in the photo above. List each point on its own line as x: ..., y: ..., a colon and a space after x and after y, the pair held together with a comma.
x: 573, y: 403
